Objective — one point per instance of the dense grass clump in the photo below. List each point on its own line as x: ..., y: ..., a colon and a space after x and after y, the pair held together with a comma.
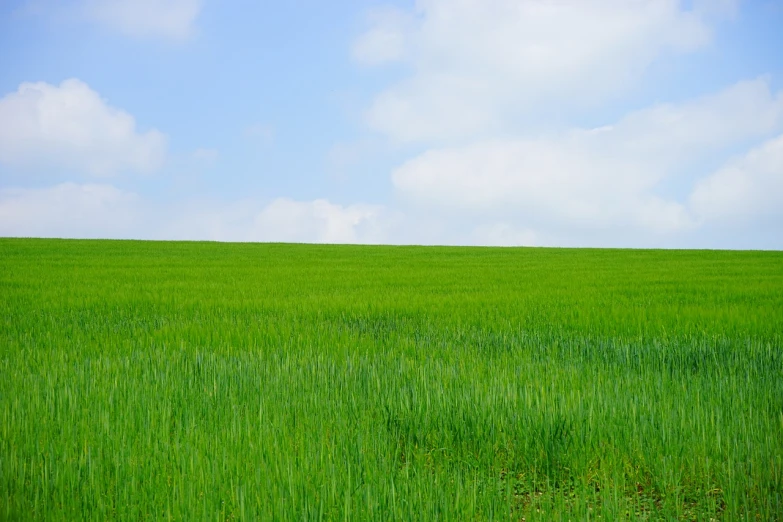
x: 200, y: 381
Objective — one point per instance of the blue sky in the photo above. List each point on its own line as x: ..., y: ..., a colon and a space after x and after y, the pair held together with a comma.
x: 644, y: 123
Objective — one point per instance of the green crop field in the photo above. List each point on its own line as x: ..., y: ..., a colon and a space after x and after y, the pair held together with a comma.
x: 204, y: 381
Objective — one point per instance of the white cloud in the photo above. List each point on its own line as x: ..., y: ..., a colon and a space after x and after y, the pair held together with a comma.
x: 170, y: 19
x: 282, y: 220
x: 504, y: 234
x: 477, y: 62
x: 99, y: 210
x: 105, y: 211
x: 485, y: 74
x: 748, y: 187
x: 319, y: 221
x: 600, y: 178
x: 69, y: 210
x: 745, y: 110
x: 71, y: 127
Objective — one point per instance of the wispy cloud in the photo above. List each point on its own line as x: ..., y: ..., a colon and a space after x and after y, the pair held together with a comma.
x: 173, y: 20
x: 170, y: 19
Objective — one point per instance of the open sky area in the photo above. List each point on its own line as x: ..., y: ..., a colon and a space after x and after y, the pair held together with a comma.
x: 605, y: 123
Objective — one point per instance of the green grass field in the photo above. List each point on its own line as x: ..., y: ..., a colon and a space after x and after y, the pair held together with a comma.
x: 203, y: 381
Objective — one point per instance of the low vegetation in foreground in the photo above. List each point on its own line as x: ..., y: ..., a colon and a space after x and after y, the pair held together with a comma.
x: 202, y: 381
